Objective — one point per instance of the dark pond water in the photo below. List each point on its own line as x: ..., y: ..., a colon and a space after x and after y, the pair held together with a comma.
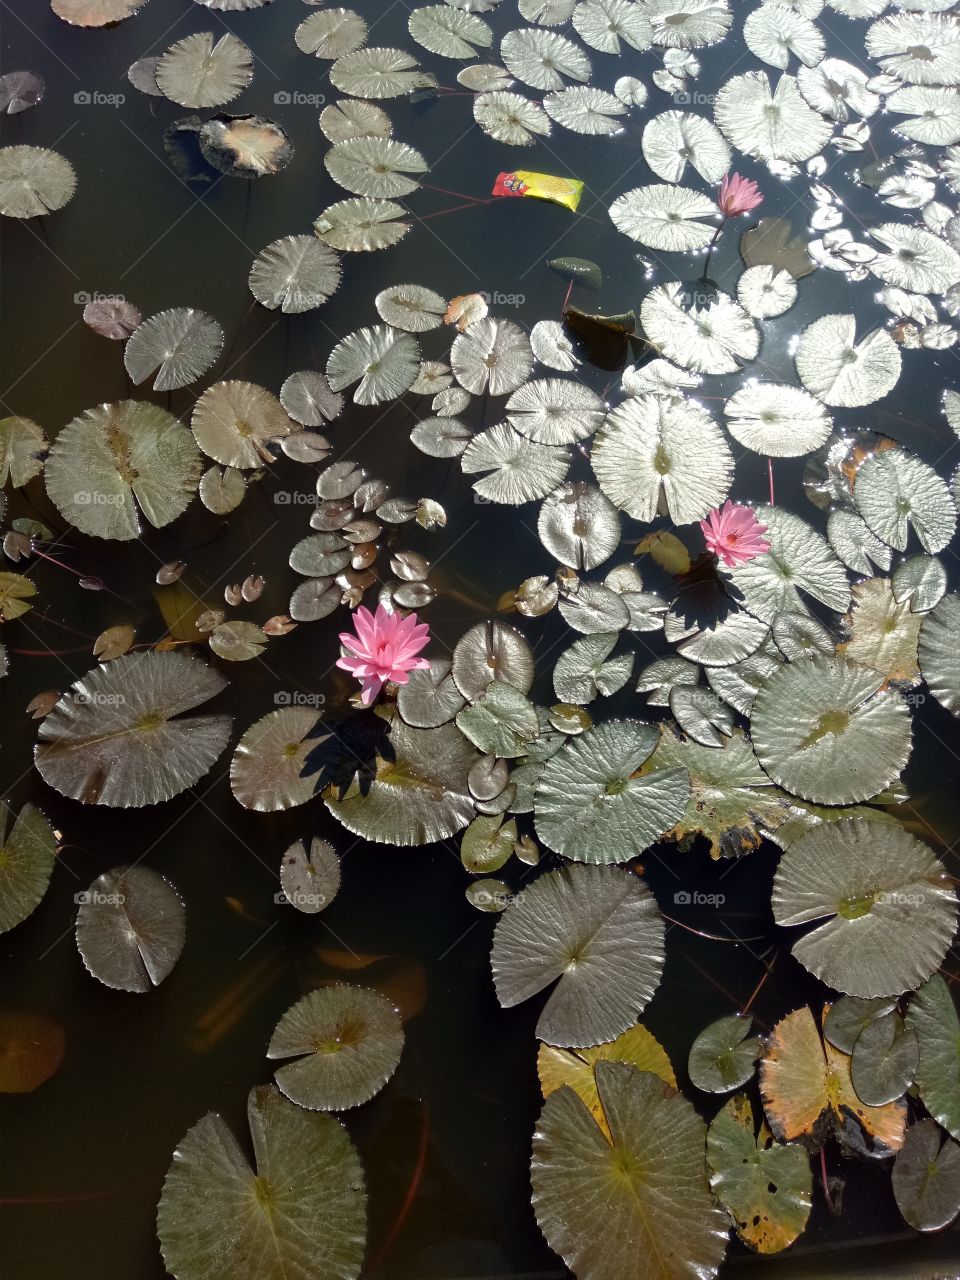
x: 83, y: 1158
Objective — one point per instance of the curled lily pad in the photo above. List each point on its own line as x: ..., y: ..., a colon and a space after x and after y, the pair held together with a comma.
x: 577, y: 1067
x: 591, y: 807
x: 886, y: 909
x: 310, y: 882
x: 572, y: 925
x: 346, y: 1041
x: 636, y: 1205
x: 119, y: 736
x: 179, y: 346
x: 926, y: 1178
x: 766, y: 1187
x: 932, y: 1016
x: 722, y: 1057
x: 28, y: 853
x: 830, y: 731
x: 130, y: 928
x: 300, y: 1214
x: 421, y: 796
x: 265, y: 772
x: 884, y: 1061
x: 116, y: 458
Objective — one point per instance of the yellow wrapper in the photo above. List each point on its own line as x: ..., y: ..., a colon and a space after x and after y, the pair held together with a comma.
x: 541, y: 186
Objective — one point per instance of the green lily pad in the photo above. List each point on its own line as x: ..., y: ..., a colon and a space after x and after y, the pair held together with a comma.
x: 118, y: 737
x: 926, y: 1178
x: 265, y: 772
x: 933, y: 1017
x: 301, y: 1215
x: 722, y: 1057
x: 830, y: 731
x: 591, y: 807
x: 884, y: 1062
x: 486, y: 844
x: 346, y: 1041
x: 939, y: 651
x: 130, y: 929
x: 22, y: 446
x: 636, y: 1206
x: 585, y: 670
x: 799, y: 560
x: 577, y: 925
x: 501, y: 722
x: 848, y: 1017
x: 27, y: 856
x: 887, y: 908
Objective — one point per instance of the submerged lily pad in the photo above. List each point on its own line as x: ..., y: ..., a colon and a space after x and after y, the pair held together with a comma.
x: 574, y: 925
x: 130, y: 928
x: 28, y: 853
x: 119, y: 736
x: 766, y: 1187
x: 117, y: 458
x: 830, y: 731
x: 346, y: 1041
x: 300, y: 1215
x: 636, y: 1205
x: 591, y: 807
x: 887, y: 908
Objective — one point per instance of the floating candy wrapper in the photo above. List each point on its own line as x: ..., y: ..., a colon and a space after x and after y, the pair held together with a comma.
x: 542, y: 186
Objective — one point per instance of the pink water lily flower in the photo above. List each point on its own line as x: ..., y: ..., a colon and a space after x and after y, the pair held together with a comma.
x: 733, y: 534
x: 738, y: 195
x: 384, y: 648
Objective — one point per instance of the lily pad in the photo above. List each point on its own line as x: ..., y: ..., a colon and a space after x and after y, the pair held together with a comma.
x: 933, y: 1017
x: 295, y: 274
x: 300, y: 1215
x: 22, y: 446
x: 28, y: 853
x: 418, y: 798
x: 491, y: 651
x: 265, y: 772
x: 888, y: 910
x: 119, y: 736
x: 116, y: 458
x: 501, y: 722
x: 34, y: 181
x: 722, y: 1057
x: 766, y: 1187
x: 203, y: 71
x: 635, y: 1206
x: 884, y: 1060
x: 179, y: 346
x: 799, y: 560
x: 894, y: 490
x: 310, y: 882
x: 591, y: 807
x: 926, y: 1178
x: 430, y: 697
x: 576, y: 925
x: 849, y: 1015
x: 346, y: 1041
x: 130, y: 928
x: 830, y: 731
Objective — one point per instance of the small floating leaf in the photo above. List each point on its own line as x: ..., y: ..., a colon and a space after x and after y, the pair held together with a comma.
x: 310, y: 882
x: 130, y: 928
x: 722, y: 1057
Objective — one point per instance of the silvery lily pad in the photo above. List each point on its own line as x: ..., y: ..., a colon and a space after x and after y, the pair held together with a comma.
x: 362, y: 225
x: 295, y: 274
x: 451, y: 33
x: 34, y: 181
x: 894, y: 489
x: 307, y: 399
x: 234, y: 422
x: 411, y: 307
x: 920, y: 581
x: 245, y: 146
x: 492, y: 355
x: 203, y: 71
x: 375, y: 167
x: 22, y: 446
x: 430, y: 697
x: 510, y: 118
x: 300, y: 1214
x: 770, y: 124
x: 765, y: 292
x: 830, y: 731
x: 887, y: 908
x: 542, y: 58
x: 491, y: 651
x: 346, y: 1041
x: 555, y: 411
x: 939, y: 651
x: 652, y: 450
x: 383, y: 362
x: 331, y: 33
x: 799, y: 559
x: 119, y: 737
x: 519, y: 470
x: 501, y: 722
x: 348, y: 119
x: 586, y: 671
x: 665, y: 217
x: 117, y: 458
x: 841, y: 371
x: 265, y: 772
x: 776, y: 420
x: 602, y: 24
x: 179, y: 346
x: 586, y: 110
x: 95, y: 13
x: 573, y: 925
x: 591, y: 807
x: 579, y: 526
x: 675, y: 139
x: 377, y: 73
x: 722, y: 1057
x: 130, y: 928
x: 714, y: 337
